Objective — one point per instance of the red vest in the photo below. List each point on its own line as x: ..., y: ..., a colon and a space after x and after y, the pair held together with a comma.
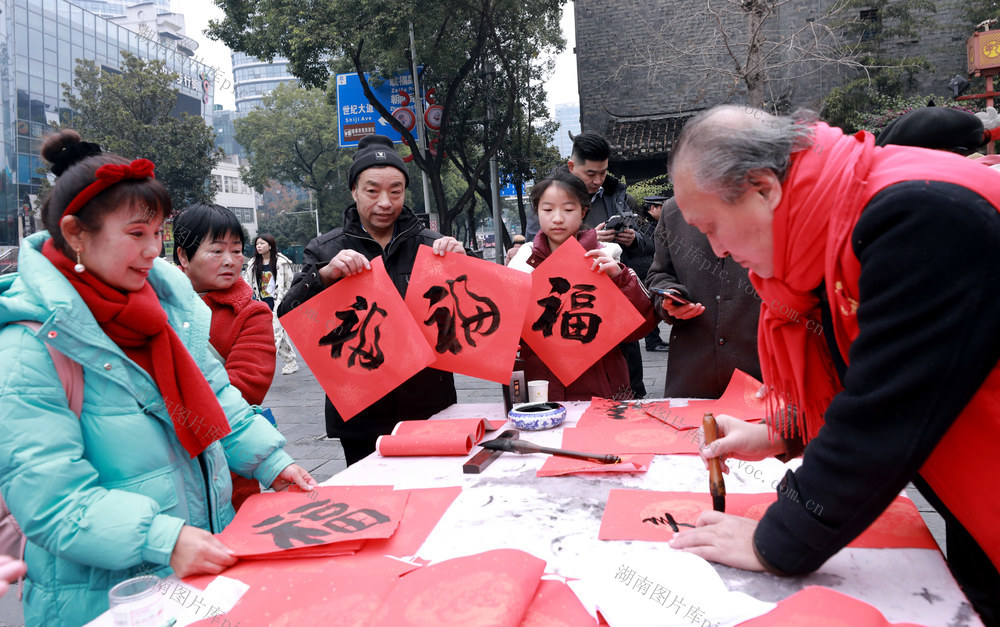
x: 958, y: 467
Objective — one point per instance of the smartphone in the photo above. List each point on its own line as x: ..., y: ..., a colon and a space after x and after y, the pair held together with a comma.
x: 615, y: 223
x: 676, y: 298
x: 618, y: 222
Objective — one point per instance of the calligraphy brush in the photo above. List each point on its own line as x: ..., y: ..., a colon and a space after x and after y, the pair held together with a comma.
x: 716, y: 484
x: 522, y: 448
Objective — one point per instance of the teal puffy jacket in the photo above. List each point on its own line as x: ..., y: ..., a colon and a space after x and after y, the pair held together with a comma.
x: 103, y: 497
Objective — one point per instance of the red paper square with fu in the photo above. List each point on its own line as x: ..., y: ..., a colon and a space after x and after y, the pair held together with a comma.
x: 359, y: 339
x: 273, y: 522
x: 575, y: 315
x: 471, y: 312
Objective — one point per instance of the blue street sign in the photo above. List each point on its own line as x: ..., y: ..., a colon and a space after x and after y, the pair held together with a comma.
x: 507, y: 189
x: 356, y: 117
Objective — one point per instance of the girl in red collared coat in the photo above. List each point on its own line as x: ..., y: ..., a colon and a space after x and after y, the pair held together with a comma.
x: 561, y: 202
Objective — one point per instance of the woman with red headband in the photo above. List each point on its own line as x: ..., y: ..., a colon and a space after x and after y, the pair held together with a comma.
x: 134, y: 479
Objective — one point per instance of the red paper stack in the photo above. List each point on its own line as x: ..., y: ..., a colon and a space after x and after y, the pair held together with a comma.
x: 659, y: 428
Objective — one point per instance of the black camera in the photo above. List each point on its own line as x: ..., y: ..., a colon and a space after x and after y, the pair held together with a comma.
x: 621, y: 221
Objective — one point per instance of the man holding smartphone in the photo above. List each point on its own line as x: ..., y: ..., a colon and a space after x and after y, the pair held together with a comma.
x: 711, y: 305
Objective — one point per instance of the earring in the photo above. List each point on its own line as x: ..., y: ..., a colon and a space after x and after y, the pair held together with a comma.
x: 78, y: 268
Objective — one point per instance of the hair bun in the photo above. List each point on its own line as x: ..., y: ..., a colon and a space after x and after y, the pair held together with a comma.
x: 65, y: 148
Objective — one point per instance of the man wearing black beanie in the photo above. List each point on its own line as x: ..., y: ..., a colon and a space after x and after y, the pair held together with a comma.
x: 376, y: 151
x: 378, y: 224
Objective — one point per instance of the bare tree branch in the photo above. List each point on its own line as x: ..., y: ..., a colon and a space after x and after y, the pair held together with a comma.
x: 745, y: 44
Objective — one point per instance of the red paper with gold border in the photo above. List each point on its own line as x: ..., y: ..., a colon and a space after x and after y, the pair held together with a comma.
x: 610, y: 411
x: 555, y: 466
x: 739, y: 400
x: 556, y: 605
x: 278, y: 521
x: 480, y: 306
x: 625, y: 438
x: 370, y: 342
x: 817, y: 606
x: 308, y: 592
x: 491, y: 589
x: 643, y: 515
x: 582, y: 310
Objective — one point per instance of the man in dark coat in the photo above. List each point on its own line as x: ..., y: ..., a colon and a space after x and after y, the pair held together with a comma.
x: 718, y: 333
x: 376, y: 225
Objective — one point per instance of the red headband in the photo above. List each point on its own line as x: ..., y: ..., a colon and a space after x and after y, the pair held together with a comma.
x: 108, y: 175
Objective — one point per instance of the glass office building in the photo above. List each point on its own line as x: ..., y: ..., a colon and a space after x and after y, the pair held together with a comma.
x: 225, y: 131
x: 568, y: 117
x: 39, y: 41
x: 113, y: 8
x: 253, y: 79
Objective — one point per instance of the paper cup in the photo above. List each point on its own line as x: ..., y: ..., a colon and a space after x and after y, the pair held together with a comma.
x: 538, y: 391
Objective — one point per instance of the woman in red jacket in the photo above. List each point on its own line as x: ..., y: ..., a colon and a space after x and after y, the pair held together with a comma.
x: 208, y: 247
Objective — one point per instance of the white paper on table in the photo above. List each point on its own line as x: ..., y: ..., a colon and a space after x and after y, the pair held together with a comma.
x: 634, y: 588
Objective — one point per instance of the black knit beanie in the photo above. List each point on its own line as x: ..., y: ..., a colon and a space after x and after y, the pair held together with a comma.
x: 940, y: 128
x: 375, y: 151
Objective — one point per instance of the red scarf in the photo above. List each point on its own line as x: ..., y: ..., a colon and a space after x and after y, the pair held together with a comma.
x: 794, y: 360
x: 828, y: 186
x: 239, y: 299
x: 137, y: 323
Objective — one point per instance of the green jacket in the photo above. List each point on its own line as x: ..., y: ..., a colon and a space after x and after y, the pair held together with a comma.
x: 102, y: 497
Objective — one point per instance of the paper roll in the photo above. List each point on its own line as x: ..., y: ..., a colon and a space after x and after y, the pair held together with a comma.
x: 424, y: 444
x: 473, y: 427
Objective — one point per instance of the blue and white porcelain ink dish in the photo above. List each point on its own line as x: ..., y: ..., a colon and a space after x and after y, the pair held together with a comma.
x: 537, y: 416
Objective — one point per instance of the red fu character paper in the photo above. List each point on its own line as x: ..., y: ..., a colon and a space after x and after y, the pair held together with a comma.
x: 470, y: 311
x: 285, y: 521
x: 359, y: 339
x: 575, y: 315
x: 656, y: 516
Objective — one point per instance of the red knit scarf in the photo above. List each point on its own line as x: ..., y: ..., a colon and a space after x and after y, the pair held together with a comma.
x: 137, y: 323
x: 239, y: 298
x: 827, y: 188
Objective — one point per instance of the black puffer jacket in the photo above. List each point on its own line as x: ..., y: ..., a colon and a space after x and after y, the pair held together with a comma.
x: 424, y: 394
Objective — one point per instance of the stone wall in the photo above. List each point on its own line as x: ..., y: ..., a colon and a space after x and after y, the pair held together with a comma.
x: 625, y: 68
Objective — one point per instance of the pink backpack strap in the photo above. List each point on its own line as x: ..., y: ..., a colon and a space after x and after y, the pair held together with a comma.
x: 71, y: 375
x: 69, y: 371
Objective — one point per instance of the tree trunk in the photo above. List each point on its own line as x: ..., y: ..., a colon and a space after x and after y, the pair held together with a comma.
x: 754, y: 73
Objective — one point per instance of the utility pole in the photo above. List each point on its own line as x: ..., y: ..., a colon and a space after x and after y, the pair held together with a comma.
x: 315, y: 212
x: 421, y: 130
x: 488, y: 72
x: 311, y: 210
